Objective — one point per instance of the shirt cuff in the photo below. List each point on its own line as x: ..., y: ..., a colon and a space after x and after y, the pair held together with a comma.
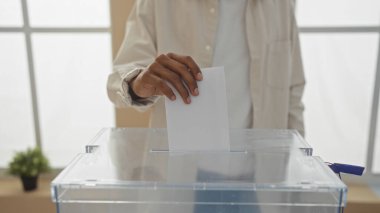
x: 140, y: 103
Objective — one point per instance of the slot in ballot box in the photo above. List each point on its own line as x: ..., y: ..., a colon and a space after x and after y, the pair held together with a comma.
x: 132, y: 170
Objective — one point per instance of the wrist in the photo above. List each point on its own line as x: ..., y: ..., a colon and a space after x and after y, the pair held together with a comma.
x: 131, y: 90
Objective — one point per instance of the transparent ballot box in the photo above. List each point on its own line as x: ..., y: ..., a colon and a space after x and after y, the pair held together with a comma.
x: 132, y: 170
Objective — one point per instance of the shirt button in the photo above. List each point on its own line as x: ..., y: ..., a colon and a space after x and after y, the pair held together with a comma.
x: 208, y: 47
x: 212, y: 10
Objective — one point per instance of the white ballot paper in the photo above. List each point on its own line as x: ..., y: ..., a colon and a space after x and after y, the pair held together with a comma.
x: 203, y: 124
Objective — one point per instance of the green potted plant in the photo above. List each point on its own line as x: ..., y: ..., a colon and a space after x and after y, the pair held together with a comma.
x: 28, y: 165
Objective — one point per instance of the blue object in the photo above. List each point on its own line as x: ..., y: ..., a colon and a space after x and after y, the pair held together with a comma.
x: 346, y: 168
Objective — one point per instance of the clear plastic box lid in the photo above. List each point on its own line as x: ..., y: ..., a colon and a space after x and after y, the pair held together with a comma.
x: 135, y: 166
x: 241, y: 139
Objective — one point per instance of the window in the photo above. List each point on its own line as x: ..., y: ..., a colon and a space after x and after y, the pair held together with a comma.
x: 54, y: 62
x: 10, y: 13
x: 338, y: 13
x: 17, y: 127
x: 71, y: 72
x: 69, y: 13
x: 339, y: 42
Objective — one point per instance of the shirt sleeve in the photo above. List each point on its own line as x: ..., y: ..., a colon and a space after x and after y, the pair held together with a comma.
x: 296, y: 106
x: 136, y: 53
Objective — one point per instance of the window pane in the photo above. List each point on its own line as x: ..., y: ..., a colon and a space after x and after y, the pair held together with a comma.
x: 338, y: 12
x: 71, y: 72
x: 340, y: 71
x: 16, y: 123
x: 10, y: 13
x: 69, y: 13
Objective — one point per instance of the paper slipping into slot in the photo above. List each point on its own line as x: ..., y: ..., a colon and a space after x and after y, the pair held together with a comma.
x: 203, y: 124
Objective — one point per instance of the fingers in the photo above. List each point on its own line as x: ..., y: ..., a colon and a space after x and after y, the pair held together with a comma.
x: 160, y: 85
x: 190, y: 63
x: 182, y: 71
x: 174, y: 79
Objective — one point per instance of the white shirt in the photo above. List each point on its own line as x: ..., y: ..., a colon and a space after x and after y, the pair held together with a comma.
x: 231, y: 51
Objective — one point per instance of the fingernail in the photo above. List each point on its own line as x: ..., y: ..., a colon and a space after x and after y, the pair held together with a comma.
x: 196, y: 91
x: 172, y: 98
x: 188, y: 100
x: 199, y: 76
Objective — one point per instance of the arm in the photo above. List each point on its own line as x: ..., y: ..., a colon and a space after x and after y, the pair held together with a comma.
x: 137, y: 51
x: 140, y: 76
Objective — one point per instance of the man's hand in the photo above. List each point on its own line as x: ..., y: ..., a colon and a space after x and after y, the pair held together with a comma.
x: 180, y: 71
